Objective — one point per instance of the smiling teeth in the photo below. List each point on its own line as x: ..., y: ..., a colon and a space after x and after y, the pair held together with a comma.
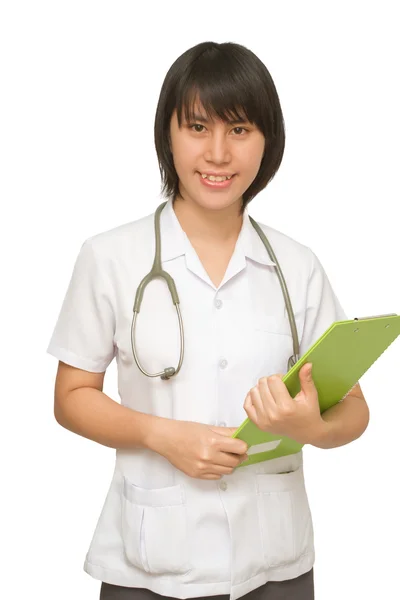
x: 214, y: 178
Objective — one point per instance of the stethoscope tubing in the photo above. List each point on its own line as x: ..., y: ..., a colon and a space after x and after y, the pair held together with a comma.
x: 158, y: 272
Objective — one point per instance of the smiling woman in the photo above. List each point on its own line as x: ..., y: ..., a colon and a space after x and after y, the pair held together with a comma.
x: 218, y: 115
x: 178, y: 511
x: 199, y: 148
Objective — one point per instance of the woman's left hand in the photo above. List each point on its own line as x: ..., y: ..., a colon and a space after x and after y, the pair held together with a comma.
x: 270, y: 407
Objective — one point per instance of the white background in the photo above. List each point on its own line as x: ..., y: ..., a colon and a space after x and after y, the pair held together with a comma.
x: 80, y: 83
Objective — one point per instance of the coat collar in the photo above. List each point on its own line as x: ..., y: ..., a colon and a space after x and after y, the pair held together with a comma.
x: 174, y: 241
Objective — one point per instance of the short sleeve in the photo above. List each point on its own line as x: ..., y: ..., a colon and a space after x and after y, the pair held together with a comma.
x: 84, y: 333
x: 322, y: 309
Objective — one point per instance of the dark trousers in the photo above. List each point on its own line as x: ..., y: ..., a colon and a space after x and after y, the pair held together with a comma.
x: 300, y: 588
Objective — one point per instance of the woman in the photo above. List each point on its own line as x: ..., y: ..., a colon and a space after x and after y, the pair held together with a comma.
x: 180, y: 519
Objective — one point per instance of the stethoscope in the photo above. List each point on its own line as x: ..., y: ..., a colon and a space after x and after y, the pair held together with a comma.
x: 157, y: 271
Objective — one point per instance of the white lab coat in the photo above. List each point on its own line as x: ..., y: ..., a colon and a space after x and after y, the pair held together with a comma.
x: 160, y: 529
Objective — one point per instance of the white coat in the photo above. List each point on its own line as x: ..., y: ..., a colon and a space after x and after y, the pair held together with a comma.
x: 159, y: 528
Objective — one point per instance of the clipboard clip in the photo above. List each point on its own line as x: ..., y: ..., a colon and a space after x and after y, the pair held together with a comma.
x: 375, y: 317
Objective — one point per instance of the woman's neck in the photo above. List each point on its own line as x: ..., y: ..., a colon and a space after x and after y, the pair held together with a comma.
x: 208, y: 226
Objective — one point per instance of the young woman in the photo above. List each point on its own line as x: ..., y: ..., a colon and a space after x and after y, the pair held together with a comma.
x: 180, y: 519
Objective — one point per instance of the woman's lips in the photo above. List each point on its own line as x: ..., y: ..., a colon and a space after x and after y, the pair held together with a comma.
x: 219, y: 185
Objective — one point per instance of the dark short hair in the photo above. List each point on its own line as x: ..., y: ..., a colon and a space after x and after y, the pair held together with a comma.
x: 229, y: 80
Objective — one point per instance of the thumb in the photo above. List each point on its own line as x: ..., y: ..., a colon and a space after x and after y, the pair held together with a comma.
x: 234, y: 445
x: 305, y: 376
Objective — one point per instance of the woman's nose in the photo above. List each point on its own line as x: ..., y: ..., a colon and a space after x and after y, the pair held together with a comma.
x: 217, y: 148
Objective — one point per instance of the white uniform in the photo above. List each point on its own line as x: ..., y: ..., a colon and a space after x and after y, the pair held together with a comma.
x: 160, y: 529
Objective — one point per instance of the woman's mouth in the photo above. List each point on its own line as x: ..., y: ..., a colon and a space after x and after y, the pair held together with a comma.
x: 220, y: 185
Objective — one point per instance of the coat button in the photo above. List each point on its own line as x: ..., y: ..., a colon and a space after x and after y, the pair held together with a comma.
x: 223, y: 485
x: 223, y: 363
x: 218, y: 303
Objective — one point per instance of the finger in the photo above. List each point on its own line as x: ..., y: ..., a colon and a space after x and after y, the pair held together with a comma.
x: 228, y: 443
x: 226, y: 459
x: 250, y: 409
x: 227, y: 431
x: 222, y: 470
x: 277, y: 390
x: 262, y: 404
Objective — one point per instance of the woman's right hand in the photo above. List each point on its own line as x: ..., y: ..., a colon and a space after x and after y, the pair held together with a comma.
x: 198, y: 450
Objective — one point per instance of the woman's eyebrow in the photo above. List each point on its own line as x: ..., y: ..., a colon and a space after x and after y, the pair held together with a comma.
x: 202, y: 119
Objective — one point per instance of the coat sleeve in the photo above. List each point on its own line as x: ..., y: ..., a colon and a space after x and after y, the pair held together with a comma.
x: 322, y: 306
x: 84, y: 333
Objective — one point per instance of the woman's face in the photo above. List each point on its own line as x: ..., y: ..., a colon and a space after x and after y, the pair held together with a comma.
x: 205, y: 147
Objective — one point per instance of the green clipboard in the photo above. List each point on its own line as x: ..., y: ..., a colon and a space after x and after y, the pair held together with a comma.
x: 339, y: 357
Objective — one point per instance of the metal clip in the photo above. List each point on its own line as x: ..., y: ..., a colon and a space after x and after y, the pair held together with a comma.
x: 376, y: 317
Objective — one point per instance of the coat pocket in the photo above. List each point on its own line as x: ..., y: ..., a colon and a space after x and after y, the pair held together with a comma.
x: 285, y: 517
x: 273, y: 344
x: 155, y: 528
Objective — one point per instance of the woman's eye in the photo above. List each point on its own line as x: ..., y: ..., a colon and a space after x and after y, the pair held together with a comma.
x: 196, y: 125
x: 242, y: 128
